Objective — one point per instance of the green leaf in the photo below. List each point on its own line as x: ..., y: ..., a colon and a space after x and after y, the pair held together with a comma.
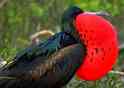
x: 36, y: 10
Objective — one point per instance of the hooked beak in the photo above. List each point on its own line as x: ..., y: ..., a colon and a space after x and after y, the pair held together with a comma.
x: 99, y: 13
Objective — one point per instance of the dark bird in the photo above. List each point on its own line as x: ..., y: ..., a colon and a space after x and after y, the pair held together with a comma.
x: 47, y: 65
x: 50, y: 64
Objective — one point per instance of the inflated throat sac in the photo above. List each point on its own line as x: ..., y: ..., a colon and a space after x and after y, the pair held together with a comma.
x: 100, y: 38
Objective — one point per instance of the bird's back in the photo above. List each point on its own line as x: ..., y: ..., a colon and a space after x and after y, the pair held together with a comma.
x: 47, y: 65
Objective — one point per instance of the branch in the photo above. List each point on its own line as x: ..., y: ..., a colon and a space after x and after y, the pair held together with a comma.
x: 2, y: 62
x: 2, y: 3
x: 121, y: 46
x: 42, y: 33
x: 35, y: 37
x: 117, y: 72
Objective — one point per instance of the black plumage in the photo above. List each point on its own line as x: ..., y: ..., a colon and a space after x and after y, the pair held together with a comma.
x: 48, y: 65
x: 68, y: 21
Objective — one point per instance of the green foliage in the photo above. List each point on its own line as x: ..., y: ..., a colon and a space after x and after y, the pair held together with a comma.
x: 120, y: 61
x: 106, y: 82
x: 7, y: 53
x: 113, y: 6
x: 23, y: 16
x: 36, y: 10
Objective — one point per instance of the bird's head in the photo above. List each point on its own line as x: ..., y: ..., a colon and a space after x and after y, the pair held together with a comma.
x: 99, y: 37
x: 69, y: 18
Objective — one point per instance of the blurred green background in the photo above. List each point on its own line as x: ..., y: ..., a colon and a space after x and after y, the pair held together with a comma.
x: 19, y: 19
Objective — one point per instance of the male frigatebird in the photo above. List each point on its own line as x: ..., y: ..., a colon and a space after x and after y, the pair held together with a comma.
x: 53, y: 63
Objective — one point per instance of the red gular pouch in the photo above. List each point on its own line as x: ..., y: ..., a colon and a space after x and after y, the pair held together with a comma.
x: 100, y: 38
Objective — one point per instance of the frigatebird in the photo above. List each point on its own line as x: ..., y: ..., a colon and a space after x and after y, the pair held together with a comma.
x: 49, y: 64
